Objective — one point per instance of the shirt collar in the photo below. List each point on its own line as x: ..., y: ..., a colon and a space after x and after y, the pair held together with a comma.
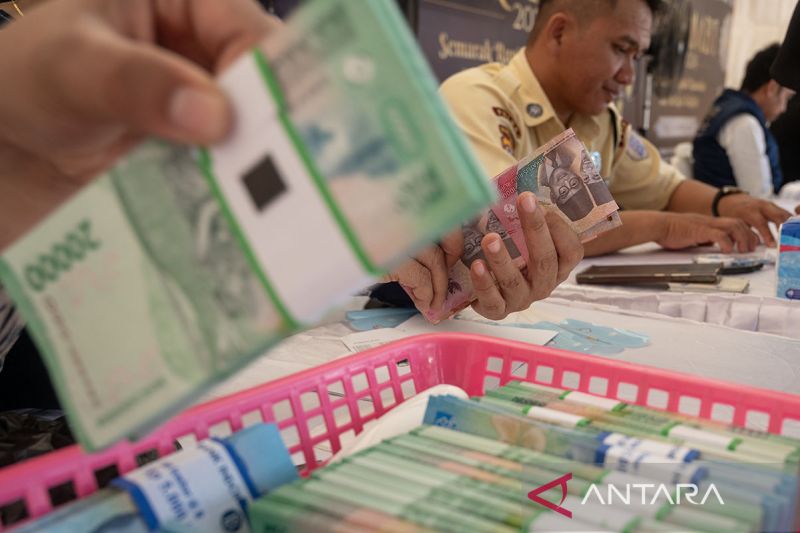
x: 537, y: 108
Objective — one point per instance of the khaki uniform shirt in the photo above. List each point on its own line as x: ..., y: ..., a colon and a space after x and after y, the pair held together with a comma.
x: 506, y: 116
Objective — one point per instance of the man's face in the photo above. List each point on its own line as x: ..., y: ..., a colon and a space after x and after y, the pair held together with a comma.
x: 598, y: 58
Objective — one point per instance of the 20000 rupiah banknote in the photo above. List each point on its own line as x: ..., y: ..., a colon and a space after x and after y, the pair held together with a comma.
x: 178, y: 266
x: 563, y: 178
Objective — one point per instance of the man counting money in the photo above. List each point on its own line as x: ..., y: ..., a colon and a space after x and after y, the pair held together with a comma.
x: 579, y: 56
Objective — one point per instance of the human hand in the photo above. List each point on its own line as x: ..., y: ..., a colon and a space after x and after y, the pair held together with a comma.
x: 500, y: 286
x: 88, y: 79
x: 554, y: 249
x: 756, y: 212
x: 426, y: 277
x: 683, y: 230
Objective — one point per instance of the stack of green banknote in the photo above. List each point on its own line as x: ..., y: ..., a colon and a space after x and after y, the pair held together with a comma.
x: 180, y: 264
x: 532, y: 458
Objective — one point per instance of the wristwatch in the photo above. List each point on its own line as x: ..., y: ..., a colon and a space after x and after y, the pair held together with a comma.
x: 722, y: 193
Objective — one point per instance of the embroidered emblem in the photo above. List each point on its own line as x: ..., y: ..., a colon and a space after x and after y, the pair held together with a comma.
x: 636, y: 148
x: 507, y: 140
x: 502, y: 113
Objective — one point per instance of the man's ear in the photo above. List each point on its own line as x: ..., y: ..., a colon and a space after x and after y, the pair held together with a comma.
x: 773, y: 88
x: 555, y: 30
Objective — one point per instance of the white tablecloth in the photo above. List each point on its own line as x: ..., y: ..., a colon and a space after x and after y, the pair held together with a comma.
x: 719, y: 352
x: 757, y: 310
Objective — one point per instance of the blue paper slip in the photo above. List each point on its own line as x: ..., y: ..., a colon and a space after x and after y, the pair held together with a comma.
x: 367, y: 319
x: 585, y: 337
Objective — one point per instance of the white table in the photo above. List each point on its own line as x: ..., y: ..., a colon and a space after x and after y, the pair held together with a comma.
x: 757, y: 310
x: 712, y: 351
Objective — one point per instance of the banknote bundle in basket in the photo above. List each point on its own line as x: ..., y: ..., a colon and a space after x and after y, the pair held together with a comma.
x: 533, y: 458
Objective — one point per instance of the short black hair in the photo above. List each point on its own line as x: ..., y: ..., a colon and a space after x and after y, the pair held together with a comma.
x: 756, y: 74
x: 588, y: 9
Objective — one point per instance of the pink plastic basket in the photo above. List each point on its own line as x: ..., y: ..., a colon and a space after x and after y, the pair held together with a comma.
x: 325, y: 393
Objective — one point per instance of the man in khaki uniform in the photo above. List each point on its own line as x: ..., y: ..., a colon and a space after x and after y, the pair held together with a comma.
x: 579, y: 56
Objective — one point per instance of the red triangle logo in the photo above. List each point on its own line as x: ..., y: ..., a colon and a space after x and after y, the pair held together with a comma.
x: 561, y: 481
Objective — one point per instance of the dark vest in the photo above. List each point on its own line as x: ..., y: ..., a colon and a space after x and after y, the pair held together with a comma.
x: 711, y: 163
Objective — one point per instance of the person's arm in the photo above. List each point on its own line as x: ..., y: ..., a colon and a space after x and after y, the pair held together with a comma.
x: 642, y: 180
x: 637, y: 227
x: 694, y: 196
x: 673, y: 231
x: 743, y: 140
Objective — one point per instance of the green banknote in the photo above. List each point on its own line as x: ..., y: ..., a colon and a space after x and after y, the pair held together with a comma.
x: 179, y: 265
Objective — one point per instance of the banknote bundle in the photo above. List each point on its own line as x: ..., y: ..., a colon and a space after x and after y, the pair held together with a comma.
x: 178, y: 265
x: 527, y: 457
x: 204, y: 488
x: 564, y: 179
x: 767, y: 487
x: 436, y: 478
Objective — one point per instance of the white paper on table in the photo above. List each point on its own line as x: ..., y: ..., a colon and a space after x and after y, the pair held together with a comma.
x: 417, y: 325
x: 363, y: 340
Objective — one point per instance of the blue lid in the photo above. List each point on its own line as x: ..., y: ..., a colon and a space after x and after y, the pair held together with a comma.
x: 262, y: 458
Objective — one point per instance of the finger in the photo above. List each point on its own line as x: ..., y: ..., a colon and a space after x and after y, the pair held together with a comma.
x: 433, y: 259
x: 738, y: 231
x: 453, y: 247
x: 542, y: 257
x: 721, y: 239
x: 416, y: 281
x: 568, y: 246
x: 776, y: 214
x: 762, y: 227
x: 797, y: 210
x: 510, y: 282
x: 210, y: 32
x: 751, y: 238
x: 148, y: 89
x: 489, y: 302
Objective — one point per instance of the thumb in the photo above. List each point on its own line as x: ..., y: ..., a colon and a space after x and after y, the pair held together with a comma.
x: 146, y: 88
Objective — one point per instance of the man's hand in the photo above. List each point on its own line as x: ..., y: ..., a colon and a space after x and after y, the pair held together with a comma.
x: 500, y: 287
x: 683, y: 230
x: 425, y: 277
x: 88, y: 79
x: 755, y: 211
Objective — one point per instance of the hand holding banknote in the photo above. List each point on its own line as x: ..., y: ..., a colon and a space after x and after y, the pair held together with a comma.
x: 526, y: 258
x: 179, y: 264
x: 553, y: 250
x: 88, y: 79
